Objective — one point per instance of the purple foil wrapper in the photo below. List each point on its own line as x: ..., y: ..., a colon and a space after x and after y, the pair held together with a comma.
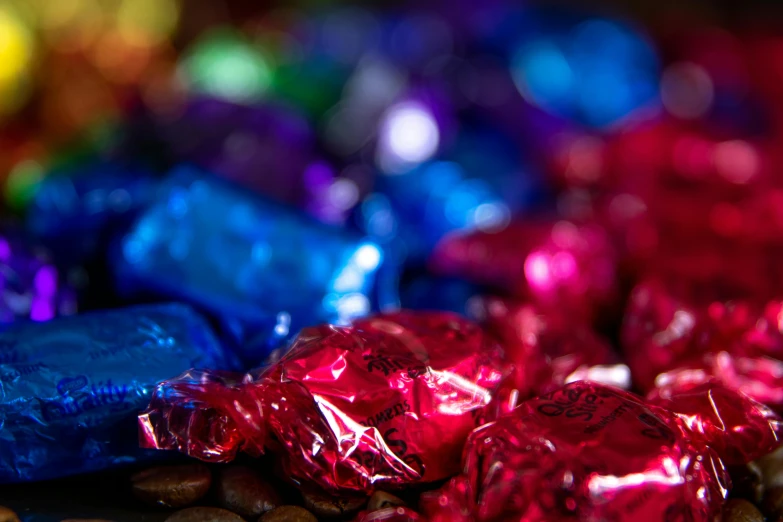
x: 266, y: 148
x: 32, y: 287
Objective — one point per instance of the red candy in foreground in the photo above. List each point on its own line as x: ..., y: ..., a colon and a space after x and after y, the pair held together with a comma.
x: 594, y: 452
x: 387, y: 402
x: 739, y: 343
x: 548, y: 348
x: 558, y: 264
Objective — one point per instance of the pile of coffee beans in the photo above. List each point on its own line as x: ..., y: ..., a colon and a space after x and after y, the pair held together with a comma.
x: 757, y: 492
x: 196, y: 492
x: 249, y: 492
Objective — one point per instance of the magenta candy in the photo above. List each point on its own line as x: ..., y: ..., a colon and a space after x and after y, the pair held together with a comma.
x: 387, y: 402
x: 553, y: 264
x: 593, y: 452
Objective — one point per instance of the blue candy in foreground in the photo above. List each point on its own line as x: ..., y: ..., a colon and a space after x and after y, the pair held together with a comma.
x: 72, y: 387
x: 262, y: 267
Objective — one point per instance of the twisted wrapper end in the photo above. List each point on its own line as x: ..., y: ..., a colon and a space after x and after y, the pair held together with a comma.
x: 207, y: 415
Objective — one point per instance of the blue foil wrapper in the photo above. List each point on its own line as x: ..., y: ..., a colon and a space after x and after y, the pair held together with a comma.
x: 75, y: 212
x: 264, y: 269
x: 479, y: 184
x: 72, y: 387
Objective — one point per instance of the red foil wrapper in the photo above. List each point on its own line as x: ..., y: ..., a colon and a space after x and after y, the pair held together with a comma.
x: 594, y: 452
x: 662, y: 332
x: 548, y: 348
x: 758, y: 377
x: 387, y: 402
x: 561, y: 264
x: 683, y: 201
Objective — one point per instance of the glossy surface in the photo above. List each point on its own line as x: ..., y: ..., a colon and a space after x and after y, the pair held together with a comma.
x: 31, y: 287
x: 72, y: 387
x: 262, y: 266
x: 553, y: 264
x: 263, y: 147
x: 739, y: 342
x: 548, y: 348
x: 387, y: 402
x: 592, y: 452
x: 76, y: 212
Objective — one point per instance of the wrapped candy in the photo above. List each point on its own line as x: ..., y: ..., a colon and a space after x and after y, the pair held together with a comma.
x: 32, y: 287
x: 76, y: 212
x: 554, y: 264
x: 262, y: 267
x: 593, y: 452
x: 548, y: 349
x: 387, y: 402
x: 475, y: 185
x: 262, y: 147
x: 72, y: 387
x: 758, y: 377
x: 664, y: 331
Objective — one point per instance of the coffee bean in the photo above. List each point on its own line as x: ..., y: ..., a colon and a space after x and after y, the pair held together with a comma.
x: 772, y: 468
x: 739, y: 510
x: 288, y: 514
x: 242, y: 490
x: 204, y: 514
x: 172, y: 486
x: 328, y: 507
x: 772, y: 505
x: 6, y: 515
x: 381, y: 499
x: 747, y: 482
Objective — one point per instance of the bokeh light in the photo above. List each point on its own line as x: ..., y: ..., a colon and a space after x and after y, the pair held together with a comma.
x: 225, y: 65
x: 16, y: 55
x: 687, y: 90
x: 597, y: 72
x: 409, y: 136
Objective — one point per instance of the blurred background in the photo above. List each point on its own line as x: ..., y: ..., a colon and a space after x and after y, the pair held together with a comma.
x: 558, y: 153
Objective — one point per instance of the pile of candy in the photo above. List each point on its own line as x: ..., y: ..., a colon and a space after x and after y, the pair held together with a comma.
x: 477, y: 265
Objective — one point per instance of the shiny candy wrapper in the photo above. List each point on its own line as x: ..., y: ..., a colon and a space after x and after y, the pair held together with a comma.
x: 263, y: 267
x: 76, y: 212
x: 758, y: 377
x: 666, y: 328
x: 72, y: 387
x: 548, y: 348
x: 385, y: 403
x: 32, y: 287
x: 554, y: 264
x: 263, y: 147
x: 593, y: 452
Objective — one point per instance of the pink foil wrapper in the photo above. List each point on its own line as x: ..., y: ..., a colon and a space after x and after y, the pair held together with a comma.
x: 758, y: 377
x: 738, y: 342
x: 547, y: 347
x: 387, y: 402
x: 553, y: 264
x: 597, y: 453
